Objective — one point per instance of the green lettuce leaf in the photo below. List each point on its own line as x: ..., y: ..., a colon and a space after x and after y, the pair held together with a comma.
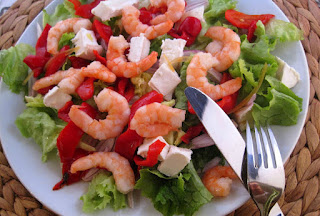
x: 103, y: 191
x: 157, y: 42
x: 184, y: 194
x: 42, y: 125
x: 181, y: 98
x: 66, y: 39
x: 217, y: 8
x: 283, y: 31
x: 63, y: 11
x: 34, y: 101
x: 12, y: 69
x: 200, y: 157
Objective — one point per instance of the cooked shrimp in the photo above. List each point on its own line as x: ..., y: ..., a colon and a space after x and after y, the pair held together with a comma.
x: 155, y: 119
x: 175, y: 10
x: 99, y: 71
x: 117, y: 63
x: 218, y: 180
x: 225, y: 46
x: 196, y: 77
x: 64, y: 26
x: 133, y: 26
x: 118, y: 115
x: 119, y: 166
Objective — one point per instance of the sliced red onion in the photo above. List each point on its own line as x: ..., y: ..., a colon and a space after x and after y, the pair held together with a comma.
x: 130, y: 199
x: 134, y: 99
x: 39, y: 30
x: 154, y: 68
x: 31, y: 92
x: 214, y: 162
x: 202, y: 141
x: 214, y: 75
x: 89, y: 140
x: 252, y: 99
x: 190, y: 52
x: 192, y: 4
x: 90, y: 174
x: 105, y: 145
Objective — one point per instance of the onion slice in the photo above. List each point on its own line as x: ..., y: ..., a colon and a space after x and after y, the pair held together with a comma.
x: 202, y: 141
x: 192, y: 4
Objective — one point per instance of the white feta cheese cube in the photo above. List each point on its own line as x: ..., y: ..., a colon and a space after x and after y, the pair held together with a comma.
x: 56, y: 98
x: 288, y: 75
x: 111, y: 8
x: 164, y: 81
x: 86, y: 42
x: 139, y: 48
x: 196, y: 12
x: 177, y: 158
x: 172, y: 49
x: 143, y: 149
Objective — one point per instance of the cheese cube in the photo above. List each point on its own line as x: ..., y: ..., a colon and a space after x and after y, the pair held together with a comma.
x: 144, y: 148
x: 164, y: 81
x: 177, y: 158
x: 196, y: 12
x: 86, y: 42
x: 139, y: 48
x: 288, y: 75
x: 111, y: 8
x: 172, y: 49
x: 56, y: 98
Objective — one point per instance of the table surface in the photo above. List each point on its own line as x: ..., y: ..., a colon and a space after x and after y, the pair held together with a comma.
x: 301, y: 195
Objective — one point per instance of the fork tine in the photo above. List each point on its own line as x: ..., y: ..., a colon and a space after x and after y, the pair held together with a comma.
x: 266, y: 144
x: 261, y: 161
x: 275, y: 148
x: 250, y: 149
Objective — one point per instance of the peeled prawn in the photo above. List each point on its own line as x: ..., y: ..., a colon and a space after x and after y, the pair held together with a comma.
x: 117, y: 63
x: 218, y: 180
x: 133, y: 26
x: 119, y: 166
x: 155, y: 119
x: 225, y: 46
x: 118, y: 115
x: 175, y: 10
x: 196, y: 77
x: 64, y: 26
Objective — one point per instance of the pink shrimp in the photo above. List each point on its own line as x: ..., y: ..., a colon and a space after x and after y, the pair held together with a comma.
x: 225, y: 46
x: 64, y: 26
x: 117, y: 63
x: 118, y: 115
x: 218, y: 180
x: 119, y: 166
x: 196, y: 77
x: 174, y: 12
x: 133, y: 26
x: 155, y: 119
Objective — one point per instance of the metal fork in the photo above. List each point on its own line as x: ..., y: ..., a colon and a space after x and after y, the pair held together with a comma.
x: 266, y: 178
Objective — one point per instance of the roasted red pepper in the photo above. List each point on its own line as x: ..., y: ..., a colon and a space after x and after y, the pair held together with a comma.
x: 57, y: 61
x: 188, y: 30
x: 85, y: 10
x: 45, y: 90
x: 77, y: 62
x: 76, y: 3
x: 251, y: 30
x: 125, y: 88
x: 227, y: 103
x: 99, y: 58
x: 102, y: 31
x: 190, y: 108
x: 86, y: 89
x: 244, y: 21
x: 35, y: 61
x: 145, y: 16
x: 152, y: 155
x: 63, y: 113
x: 41, y: 46
x: 192, y: 132
x: 127, y: 143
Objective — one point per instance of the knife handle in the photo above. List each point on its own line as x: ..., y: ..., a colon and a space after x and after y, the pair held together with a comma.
x: 276, y: 211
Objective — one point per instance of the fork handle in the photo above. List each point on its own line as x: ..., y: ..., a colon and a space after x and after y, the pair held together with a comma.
x: 276, y: 211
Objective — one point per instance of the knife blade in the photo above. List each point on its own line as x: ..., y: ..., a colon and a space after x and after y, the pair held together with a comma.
x: 223, y: 132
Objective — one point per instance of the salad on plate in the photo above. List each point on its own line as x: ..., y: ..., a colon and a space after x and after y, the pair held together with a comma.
x: 104, y: 91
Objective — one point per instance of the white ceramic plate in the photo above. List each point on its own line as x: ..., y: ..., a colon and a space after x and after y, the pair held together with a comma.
x: 24, y: 155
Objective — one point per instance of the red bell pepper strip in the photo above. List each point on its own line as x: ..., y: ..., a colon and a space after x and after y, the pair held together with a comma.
x: 102, y: 30
x: 145, y: 16
x: 190, y: 108
x: 86, y: 89
x: 77, y: 62
x: 148, y: 98
x: 227, y: 103
x: 99, y: 58
x: 152, y: 155
x: 57, y: 61
x: 45, y: 90
x: 76, y: 3
x: 244, y: 21
x: 251, y: 30
x: 63, y: 113
x: 41, y: 46
x: 37, y: 71
x: 125, y: 88
x: 127, y: 143
x: 192, y: 132
x: 85, y: 10
x: 35, y: 61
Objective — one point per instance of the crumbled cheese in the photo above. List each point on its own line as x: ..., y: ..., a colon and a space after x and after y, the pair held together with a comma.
x: 139, y: 48
x: 164, y: 81
x: 56, y: 98
x: 143, y: 149
x: 172, y: 49
x: 196, y: 12
x: 86, y: 42
x: 288, y: 75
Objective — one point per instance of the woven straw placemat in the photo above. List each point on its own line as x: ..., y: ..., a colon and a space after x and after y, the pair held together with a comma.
x: 302, y: 195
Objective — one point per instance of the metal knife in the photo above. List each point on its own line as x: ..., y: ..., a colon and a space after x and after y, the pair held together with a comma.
x: 230, y: 143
